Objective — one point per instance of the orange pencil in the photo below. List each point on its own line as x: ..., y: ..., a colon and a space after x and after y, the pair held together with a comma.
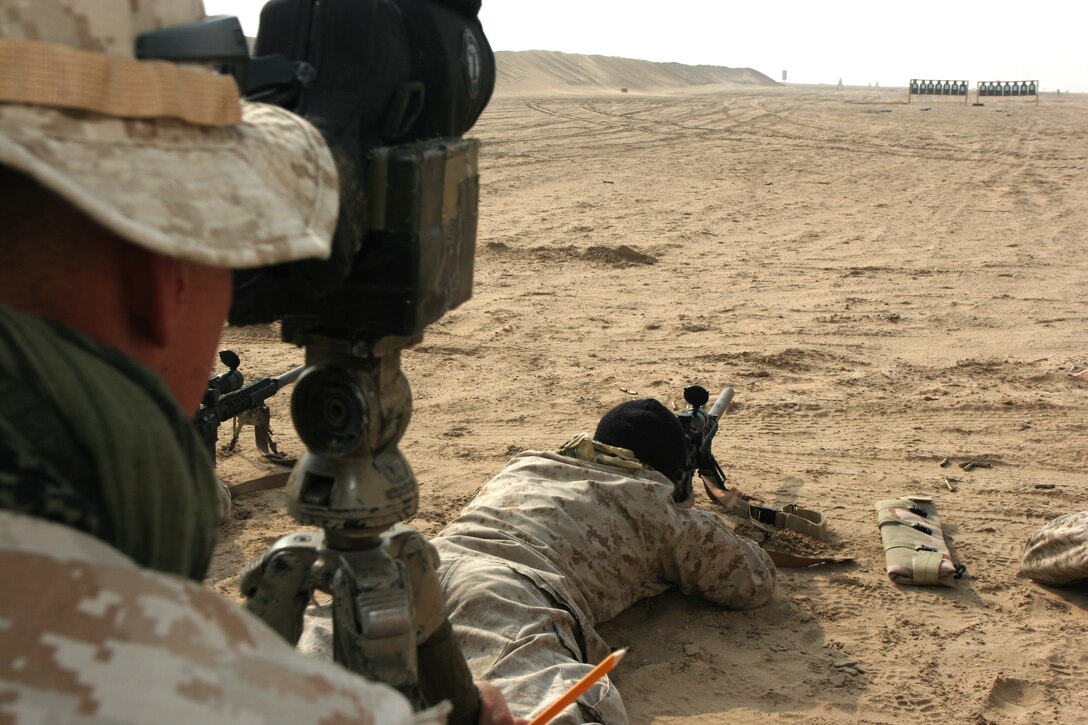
x: 579, y: 687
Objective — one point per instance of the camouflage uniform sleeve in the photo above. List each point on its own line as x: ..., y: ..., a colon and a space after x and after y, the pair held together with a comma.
x: 88, y: 636
x: 1057, y: 554
x: 708, y: 560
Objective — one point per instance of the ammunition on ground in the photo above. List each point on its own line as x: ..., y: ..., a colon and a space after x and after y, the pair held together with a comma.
x: 944, y: 462
x: 949, y: 485
x: 967, y: 465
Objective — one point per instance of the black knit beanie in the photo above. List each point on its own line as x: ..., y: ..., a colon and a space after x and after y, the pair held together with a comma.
x: 650, y: 431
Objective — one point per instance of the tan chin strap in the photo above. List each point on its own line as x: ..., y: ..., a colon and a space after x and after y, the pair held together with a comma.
x: 36, y: 73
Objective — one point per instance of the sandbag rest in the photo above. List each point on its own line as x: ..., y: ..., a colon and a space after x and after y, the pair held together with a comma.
x: 914, y: 547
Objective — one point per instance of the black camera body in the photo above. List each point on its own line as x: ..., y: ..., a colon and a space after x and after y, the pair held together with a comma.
x: 392, y: 85
x: 414, y: 263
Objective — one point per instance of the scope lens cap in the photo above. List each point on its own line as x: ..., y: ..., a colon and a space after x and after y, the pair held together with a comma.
x: 230, y: 359
x: 696, y: 395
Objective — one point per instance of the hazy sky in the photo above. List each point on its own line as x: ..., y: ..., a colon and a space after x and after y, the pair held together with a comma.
x: 816, y: 42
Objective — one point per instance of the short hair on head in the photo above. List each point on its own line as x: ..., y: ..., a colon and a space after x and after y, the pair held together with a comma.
x: 649, y: 430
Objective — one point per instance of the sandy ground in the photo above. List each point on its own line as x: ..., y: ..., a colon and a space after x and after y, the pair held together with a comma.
x: 883, y: 284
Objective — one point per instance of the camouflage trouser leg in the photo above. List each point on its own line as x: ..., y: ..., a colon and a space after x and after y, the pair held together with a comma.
x: 1057, y: 554
x: 518, y: 638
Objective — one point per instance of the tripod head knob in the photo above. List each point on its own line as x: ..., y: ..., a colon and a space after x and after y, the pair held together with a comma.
x: 351, y: 408
x: 330, y: 410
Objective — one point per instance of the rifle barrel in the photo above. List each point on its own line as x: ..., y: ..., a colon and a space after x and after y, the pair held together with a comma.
x: 721, y: 403
x: 290, y: 376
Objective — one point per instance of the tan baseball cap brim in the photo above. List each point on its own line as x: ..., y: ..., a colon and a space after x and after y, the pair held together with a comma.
x: 262, y: 191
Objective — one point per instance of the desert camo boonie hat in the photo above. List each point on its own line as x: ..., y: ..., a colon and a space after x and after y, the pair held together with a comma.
x: 165, y: 155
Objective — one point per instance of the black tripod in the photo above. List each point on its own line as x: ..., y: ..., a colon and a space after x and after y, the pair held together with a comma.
x: 351, y: 407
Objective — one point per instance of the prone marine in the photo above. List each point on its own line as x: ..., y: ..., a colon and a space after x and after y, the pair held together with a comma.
x: 561, y: 541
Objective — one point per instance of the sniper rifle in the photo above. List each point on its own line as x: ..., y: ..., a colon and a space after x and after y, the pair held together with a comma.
x: 700, y: 426
x: 228, y: 398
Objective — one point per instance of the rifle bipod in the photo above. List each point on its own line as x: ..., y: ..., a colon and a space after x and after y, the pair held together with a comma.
x: 350, y: 408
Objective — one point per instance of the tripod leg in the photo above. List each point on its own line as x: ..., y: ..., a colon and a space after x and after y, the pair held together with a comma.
x: 277, y: 586
x: 443, y: 671
x: 373, y: 631
x: 444, y: 675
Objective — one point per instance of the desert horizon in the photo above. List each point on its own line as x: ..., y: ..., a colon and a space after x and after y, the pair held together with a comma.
x: 554, y: 72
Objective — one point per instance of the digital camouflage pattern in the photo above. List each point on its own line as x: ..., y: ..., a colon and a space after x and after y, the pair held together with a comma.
x: 259, y: 192
x: 89, y: 637
x: 1057, y: 554
x: 103, y: 26
x: 554, y: 545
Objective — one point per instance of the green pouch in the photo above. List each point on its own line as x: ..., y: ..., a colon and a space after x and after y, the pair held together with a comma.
x: 914, y: 546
